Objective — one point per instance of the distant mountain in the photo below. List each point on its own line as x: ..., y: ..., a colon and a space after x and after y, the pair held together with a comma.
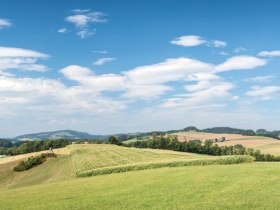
x: 62, y: 134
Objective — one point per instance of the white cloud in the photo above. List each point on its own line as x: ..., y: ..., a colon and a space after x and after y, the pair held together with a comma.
x: 240, y: 62
x: 102, y: 61
x: 19, y: 52
x: 182, y: 83
x: 95, y: 83
x: 275, y: 53
x: 192, y: 40
x: 266, y: 78
x: 83, y: 19
x: 200, y: 85
x: 100, y: 51
x: 21, y: 59
x: 77, y: 11
x: 4, y: 23
x: 188, y: 41
x: 62, y: 30
x: 202, y: 94
x: 263, y: 93
x: 218, y: 43
x: 86, y: 33
x: 175, y: 69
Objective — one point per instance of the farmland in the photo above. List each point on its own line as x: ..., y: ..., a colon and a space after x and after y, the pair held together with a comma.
x: 54, y: 184
x: 89, y: 160
x: 264, y: 144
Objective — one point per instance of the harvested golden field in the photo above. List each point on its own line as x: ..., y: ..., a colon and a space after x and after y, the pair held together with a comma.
x: 264, y: 144
x: 187, y: 136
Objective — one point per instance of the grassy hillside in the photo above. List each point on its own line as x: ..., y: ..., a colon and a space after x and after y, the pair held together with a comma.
x: 87, y: 157
x: 243, y: 186
x: 52, y: 170
x: 96, y: 159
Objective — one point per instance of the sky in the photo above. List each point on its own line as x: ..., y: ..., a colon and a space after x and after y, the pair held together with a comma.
x: 106, y: 66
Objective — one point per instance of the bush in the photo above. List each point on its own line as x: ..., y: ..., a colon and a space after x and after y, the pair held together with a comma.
x: 33, y: 161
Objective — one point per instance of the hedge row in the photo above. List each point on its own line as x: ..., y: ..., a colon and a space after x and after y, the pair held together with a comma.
x: 210, y: 161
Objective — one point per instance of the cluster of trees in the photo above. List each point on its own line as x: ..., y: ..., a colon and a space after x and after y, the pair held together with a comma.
x: 196, y: 146
x: 89, y: 141
x: 34, y: 146
x: 229, y: 130
x: 6, y: 143
x: 271, y: 134
x: 33, y: 161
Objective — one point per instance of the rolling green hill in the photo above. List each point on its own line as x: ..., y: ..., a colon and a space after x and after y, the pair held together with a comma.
x: 54, y: 185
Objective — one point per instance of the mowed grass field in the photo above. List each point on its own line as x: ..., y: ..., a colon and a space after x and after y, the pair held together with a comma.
x: 264, y: 144
x: 241, y: 186
x: 96, y: 156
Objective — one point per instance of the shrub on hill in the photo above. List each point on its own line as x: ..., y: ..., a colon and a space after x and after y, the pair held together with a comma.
x: 33, y: 161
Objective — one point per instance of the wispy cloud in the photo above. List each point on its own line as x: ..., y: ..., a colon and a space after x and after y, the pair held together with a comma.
x: 4, y: 23
x: 102, y: 61
x: 192, y: 40
x: 263, y: 93
x: 62, y: 30
x: 21, y: 59
x: 262, y: 79
x: 239, y: 49
x: 82, y: 19
x: 218, y: 43
x: 100, y: 51
x: 275, y: 53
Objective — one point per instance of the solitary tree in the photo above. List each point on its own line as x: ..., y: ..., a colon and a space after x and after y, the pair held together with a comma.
x: 114, y: 140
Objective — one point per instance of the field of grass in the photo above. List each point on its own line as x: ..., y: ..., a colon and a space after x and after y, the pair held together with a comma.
x: 242, y: 186
x: 87, y: 157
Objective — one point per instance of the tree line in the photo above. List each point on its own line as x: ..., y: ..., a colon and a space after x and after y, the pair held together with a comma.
x: 34, y: 146
x: 196, y: 146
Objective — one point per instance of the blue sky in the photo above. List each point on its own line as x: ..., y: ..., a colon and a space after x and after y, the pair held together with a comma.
x: 126, y: 66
